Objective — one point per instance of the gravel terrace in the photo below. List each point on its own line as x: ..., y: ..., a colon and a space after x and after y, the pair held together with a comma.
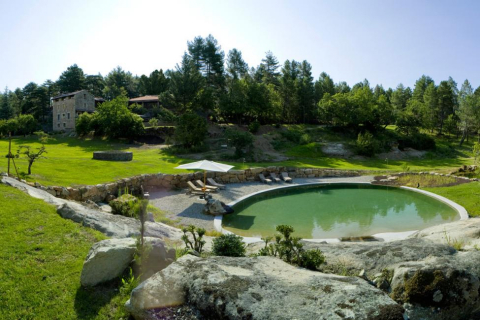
x: 188, y: 208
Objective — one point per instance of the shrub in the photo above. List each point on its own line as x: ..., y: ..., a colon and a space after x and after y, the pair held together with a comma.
x: 291, y: 135
x: 83, y: 124
x: 191, y: 130
x: 153, y: 122
x: 197, y: 242
x: 304, y: 139
x: 366, y: 144
x: 164, y: 114
x: 124, y: 205
x: 240, y: 140
x: 115, y: 120
x: 229, y: 245
x: 254, y: 126
x: 311, y: 259
x: 291, y: 250
x: 26, y: 124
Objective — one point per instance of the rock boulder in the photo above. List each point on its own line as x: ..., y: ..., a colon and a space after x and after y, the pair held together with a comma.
x: 107, y: 260
x: 259, y: 288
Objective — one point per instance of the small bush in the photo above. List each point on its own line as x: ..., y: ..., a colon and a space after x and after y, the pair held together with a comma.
x: 292, y: 135
x: 291, y: 250
x: 83, y: 124
x: 229, y: 245
x: 240, y: 140
x: 311, y: 259
x: 195, y: 242
x: 124, y: 205
x: 254, y: 126
x: 191, y: 131
x: 304, y: 139
x: 366, y: 144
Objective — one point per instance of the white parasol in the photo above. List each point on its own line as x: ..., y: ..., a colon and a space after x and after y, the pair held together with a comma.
x: 206, y: 165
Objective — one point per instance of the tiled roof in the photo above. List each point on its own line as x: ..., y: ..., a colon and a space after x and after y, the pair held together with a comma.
x: 64, y: 95
x: 144, y: 99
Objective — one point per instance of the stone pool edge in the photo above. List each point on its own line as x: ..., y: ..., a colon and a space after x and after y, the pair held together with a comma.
x: 387, y: 236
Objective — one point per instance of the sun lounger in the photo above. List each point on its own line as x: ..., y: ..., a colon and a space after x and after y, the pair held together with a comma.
x: 263, y: 179
x: 195, y: 190
x: 215, y: 184
x: 285, y: 177
x: 202, y: 185
x: 274, y: 177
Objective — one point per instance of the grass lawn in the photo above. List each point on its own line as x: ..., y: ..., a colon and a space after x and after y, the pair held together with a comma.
x: 69, y: 161
x: 466, y: 195
x: 41, y: 259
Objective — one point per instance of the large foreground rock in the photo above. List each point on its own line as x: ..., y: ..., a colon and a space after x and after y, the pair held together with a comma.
x: 439, y: 288
x: 259, y: 288
x: 464, y: 232
x: 373, y: 257
x: 108, y: 259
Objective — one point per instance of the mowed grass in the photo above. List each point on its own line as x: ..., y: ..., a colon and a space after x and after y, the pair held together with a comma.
x: 69, y: 161
x: 41, y: 259
x: 466, y: 195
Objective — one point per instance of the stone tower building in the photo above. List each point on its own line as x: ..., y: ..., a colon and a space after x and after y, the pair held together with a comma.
x: 68, y: 106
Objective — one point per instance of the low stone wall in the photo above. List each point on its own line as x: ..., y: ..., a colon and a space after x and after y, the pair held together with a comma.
x: 109, y: 191
x: 113, y: 155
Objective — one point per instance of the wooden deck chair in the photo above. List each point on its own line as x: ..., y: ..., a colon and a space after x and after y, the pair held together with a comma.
x: 274, y: 177
x: 285, y: 177
x: 215, y: 184
x: 202, y: 185
x: 263, y: 179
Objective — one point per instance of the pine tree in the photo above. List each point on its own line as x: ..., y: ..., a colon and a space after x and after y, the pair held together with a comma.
x: 6, y: 110
x: 72, y: 79
x: 269, y: 68
x: 324, y: 85
x: 236, y: 66
x: 467, y: 109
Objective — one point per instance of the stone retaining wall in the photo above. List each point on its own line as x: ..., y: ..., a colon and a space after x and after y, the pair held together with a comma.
x: 109, y: 191
x: 113, y: 155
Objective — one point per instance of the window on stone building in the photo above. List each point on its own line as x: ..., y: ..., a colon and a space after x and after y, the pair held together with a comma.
x: 68, y: 115
x: 58, y: 116
x: 64, y: 124
x: 58, y: 125
x: 63, y: 115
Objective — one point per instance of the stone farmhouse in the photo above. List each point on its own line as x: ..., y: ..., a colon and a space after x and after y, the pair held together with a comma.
x: 68, y: 106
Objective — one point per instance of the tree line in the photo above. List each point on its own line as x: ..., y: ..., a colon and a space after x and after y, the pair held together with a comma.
x: 224, y: 88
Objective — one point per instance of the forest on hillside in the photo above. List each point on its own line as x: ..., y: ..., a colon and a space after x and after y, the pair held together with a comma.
x: 224, y: 88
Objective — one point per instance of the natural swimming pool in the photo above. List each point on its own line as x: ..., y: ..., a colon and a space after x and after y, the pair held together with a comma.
x: 337, y: 210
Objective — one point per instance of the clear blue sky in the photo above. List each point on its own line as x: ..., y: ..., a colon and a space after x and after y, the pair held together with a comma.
x: 386, y: 41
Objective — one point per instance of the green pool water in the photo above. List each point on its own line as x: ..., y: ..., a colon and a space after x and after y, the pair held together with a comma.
x: 337, y: 210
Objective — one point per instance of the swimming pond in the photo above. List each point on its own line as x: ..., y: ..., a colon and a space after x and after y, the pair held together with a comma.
x: 337, y: 210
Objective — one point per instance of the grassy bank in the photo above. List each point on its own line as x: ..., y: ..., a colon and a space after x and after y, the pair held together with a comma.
x: 41, y: 259
x: 466, y: 195
x: 69, y: 162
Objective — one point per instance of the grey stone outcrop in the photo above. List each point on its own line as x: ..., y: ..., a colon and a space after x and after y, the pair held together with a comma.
x: 465, y: 233
x: 115, y: 226
x: 108, y: 259
x: 439, y: 288
x: 259, y: 288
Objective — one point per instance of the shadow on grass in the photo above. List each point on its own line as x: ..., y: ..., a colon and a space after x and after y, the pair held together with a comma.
x: 89, y: 300
x: 88, y: 145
